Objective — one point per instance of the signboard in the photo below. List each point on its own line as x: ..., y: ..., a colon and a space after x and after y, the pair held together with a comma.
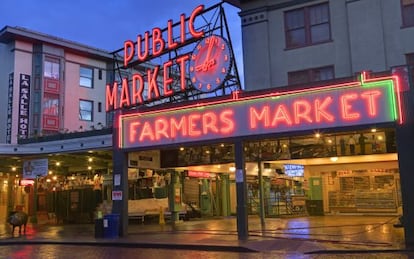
x: 9, y: 109
x: 199, y: 174
x: 355, y: 103
x: 117, y: 195
x: 294, y: 170
x: 150, y: 46
x: 36, y: 167
x: 24, y: 102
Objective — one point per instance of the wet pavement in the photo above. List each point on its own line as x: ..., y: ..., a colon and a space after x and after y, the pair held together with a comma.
x: 310, y: 235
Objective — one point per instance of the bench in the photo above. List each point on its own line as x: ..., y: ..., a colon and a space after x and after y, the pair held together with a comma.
x: 139, y: 209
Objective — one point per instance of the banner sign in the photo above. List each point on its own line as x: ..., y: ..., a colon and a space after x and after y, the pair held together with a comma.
x: 34, y: 168
x: 357, y: 103
x: 24, y: 102
x: 9, y: 109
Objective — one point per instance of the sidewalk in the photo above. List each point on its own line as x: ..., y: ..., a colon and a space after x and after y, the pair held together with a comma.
x: 317, y: 234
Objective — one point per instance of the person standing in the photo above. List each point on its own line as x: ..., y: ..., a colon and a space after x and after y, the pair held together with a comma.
x: 351, y: 143
x: 361, y: 141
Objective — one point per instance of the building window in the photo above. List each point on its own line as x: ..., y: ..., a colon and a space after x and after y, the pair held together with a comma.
x: 410, y: 63
x: 307, y: 26
x: 51, y: 104
x: 311, y: 75
x: 85, y: 110
x: 407, y: 7
x: 100, y: 74
x: 86, y: 77
x: 51, y: 69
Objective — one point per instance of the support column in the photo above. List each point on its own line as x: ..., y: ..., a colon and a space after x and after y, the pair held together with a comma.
x: 405, y: 144
x: 241, y: 189
x: 120, y: 179
x: 225, y: 195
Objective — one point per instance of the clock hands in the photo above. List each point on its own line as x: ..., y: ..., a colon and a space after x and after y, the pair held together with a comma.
x: 208, y: 63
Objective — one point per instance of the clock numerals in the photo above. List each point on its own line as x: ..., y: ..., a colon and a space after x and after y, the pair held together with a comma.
x: 209, y: 63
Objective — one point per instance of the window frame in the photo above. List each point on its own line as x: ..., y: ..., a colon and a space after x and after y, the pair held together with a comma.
x: 54, y: 64
x: 404, y: 18
x: 81, y: 117
x: 310, y: 72
x: 307, y: 27
x: 86, y: 77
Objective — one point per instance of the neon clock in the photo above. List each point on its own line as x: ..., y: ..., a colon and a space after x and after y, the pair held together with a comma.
x: 210, y: 63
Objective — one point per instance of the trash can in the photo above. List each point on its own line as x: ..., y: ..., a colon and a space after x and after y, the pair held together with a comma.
x: 99, y: 229
x: 111, y: 226
x: 314, y: 207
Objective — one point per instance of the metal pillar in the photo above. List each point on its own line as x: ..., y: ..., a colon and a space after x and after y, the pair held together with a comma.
x: 405, y: 143
x: 120, y: 180
x: 261, y: 193
x: 241, y: 189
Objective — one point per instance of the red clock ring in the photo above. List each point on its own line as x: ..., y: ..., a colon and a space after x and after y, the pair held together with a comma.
x: 210, y: 63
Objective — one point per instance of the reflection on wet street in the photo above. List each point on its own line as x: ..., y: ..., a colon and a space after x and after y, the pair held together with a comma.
x: 86, y: 252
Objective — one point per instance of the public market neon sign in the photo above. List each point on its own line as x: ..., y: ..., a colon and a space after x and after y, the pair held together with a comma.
x: 366, y: 101
x: 145, y: 88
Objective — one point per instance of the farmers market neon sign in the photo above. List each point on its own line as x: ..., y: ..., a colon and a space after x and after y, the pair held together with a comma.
x: 366, y: 101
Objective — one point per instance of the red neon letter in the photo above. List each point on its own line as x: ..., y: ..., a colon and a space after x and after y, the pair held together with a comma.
x: 167, y: 80
x: 137, y: 92
x: 171, y: 44
x: 226, y: 117
x: 347, y: 114
x: 124, y: 98
x: 281, y: 115
x: 161, y: 127
x: 152, y: 83
x: 192, y: 125
x: 182, y: 28
x: 320, y: 110
x: 111, y: 96
x: 302, y: 110
x: 128, y: 51
x: 209, y: 122
x: 178, y: 126
x: 181, y: 60
x: 133, y: 131
x: 254, y: 116
x: 146, y: 132
x: 371, y: 98
x: 158, y: 42
x: 143, y: 56
x: 193, y: 32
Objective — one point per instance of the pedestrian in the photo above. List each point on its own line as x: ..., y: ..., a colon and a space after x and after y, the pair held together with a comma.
x: 351, y: 143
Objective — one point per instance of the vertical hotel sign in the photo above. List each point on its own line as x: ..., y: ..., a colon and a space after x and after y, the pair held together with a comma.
x: 24, y: 101
x: 9, y: 109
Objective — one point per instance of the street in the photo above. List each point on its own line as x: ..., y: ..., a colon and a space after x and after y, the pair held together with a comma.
x: 102, y: 252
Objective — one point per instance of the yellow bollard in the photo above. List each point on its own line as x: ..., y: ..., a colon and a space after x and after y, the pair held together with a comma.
x: 162, y: 220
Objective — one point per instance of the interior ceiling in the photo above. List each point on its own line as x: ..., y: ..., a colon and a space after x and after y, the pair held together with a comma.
x: 102, y: 159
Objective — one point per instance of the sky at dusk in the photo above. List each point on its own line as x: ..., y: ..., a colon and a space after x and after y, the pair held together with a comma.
x: 106, y: 24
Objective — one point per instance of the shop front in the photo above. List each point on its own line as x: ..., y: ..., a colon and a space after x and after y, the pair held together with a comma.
x: 316, y: 151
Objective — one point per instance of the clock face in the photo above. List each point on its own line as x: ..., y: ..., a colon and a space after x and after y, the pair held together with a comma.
x: 210, y: 63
